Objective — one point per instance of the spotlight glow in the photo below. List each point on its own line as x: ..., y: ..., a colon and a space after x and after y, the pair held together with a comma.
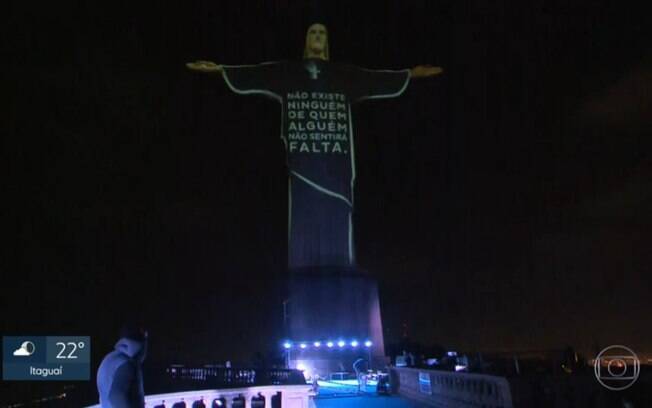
x: 305, y: 367
x: 288, y: 344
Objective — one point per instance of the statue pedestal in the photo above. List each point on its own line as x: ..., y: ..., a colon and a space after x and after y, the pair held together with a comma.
x: 339, y: 305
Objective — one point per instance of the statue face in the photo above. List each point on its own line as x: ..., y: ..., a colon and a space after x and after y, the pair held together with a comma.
x: 317, y: 41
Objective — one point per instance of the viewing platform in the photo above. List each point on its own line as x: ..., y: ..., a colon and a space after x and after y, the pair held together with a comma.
x: 331, y: 395
x: 213, y: 387
x: 207, y: 387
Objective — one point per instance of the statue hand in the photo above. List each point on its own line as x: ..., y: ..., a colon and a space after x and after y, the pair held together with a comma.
x: 204, y: 66
x: 423, y: 71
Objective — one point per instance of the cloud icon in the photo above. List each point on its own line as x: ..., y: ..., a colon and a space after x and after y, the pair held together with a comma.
x: 26, y: 349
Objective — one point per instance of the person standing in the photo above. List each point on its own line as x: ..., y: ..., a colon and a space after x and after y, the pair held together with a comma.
x: 120, y: 375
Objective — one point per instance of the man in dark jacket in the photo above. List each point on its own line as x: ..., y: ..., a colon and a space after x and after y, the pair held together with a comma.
x: 120, y: 376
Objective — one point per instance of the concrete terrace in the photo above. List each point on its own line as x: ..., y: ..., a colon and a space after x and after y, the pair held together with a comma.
x: 345, y: 394
x: 374, y: 401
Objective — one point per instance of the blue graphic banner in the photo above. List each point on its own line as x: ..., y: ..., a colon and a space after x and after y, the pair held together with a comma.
x: 46, y: 358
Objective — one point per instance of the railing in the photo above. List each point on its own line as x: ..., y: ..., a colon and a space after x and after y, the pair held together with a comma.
x: 289, y: 396
x: 452, y: 389
x: 221, y: 377
x: 212, y: 387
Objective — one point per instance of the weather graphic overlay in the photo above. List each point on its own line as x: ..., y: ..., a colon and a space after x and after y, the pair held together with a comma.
x: 46, y: 358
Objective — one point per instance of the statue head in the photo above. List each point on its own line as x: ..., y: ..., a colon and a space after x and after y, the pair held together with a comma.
x: 316, y: 42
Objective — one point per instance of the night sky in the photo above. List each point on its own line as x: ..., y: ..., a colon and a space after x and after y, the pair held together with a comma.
x: 504, y: 205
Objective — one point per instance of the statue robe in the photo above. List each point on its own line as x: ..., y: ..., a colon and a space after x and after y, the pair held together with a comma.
x: 317, y: 131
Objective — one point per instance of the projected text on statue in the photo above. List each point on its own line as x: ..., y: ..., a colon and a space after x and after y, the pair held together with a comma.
x: 317, y: 123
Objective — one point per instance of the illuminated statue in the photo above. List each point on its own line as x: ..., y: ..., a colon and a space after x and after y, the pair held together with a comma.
x: 329, y: 297
x: 316, y: 97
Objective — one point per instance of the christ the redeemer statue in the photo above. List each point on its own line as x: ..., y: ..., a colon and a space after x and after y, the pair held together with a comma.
x: 317, y: 130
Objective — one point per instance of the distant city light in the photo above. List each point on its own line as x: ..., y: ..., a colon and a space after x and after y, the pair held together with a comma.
x: 303, y: 345
x: 368, y: 343
x: 329, y: 344
x: 317, y: 344
x: 354, y: 343
x: 287, y: 345
x: 341, y: 343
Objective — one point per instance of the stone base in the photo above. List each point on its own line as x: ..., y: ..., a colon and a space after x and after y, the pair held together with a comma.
x: 334, y: 304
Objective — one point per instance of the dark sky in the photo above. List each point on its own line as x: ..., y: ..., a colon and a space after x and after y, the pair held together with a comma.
x: 503, y: 205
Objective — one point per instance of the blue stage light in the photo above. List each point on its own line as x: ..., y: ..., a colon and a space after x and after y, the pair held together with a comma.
x: 330, y: 344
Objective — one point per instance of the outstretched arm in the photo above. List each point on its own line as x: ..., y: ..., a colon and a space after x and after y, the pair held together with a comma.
x: 246, y: 79
x: 425, y: 71
x: 205, y: 66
